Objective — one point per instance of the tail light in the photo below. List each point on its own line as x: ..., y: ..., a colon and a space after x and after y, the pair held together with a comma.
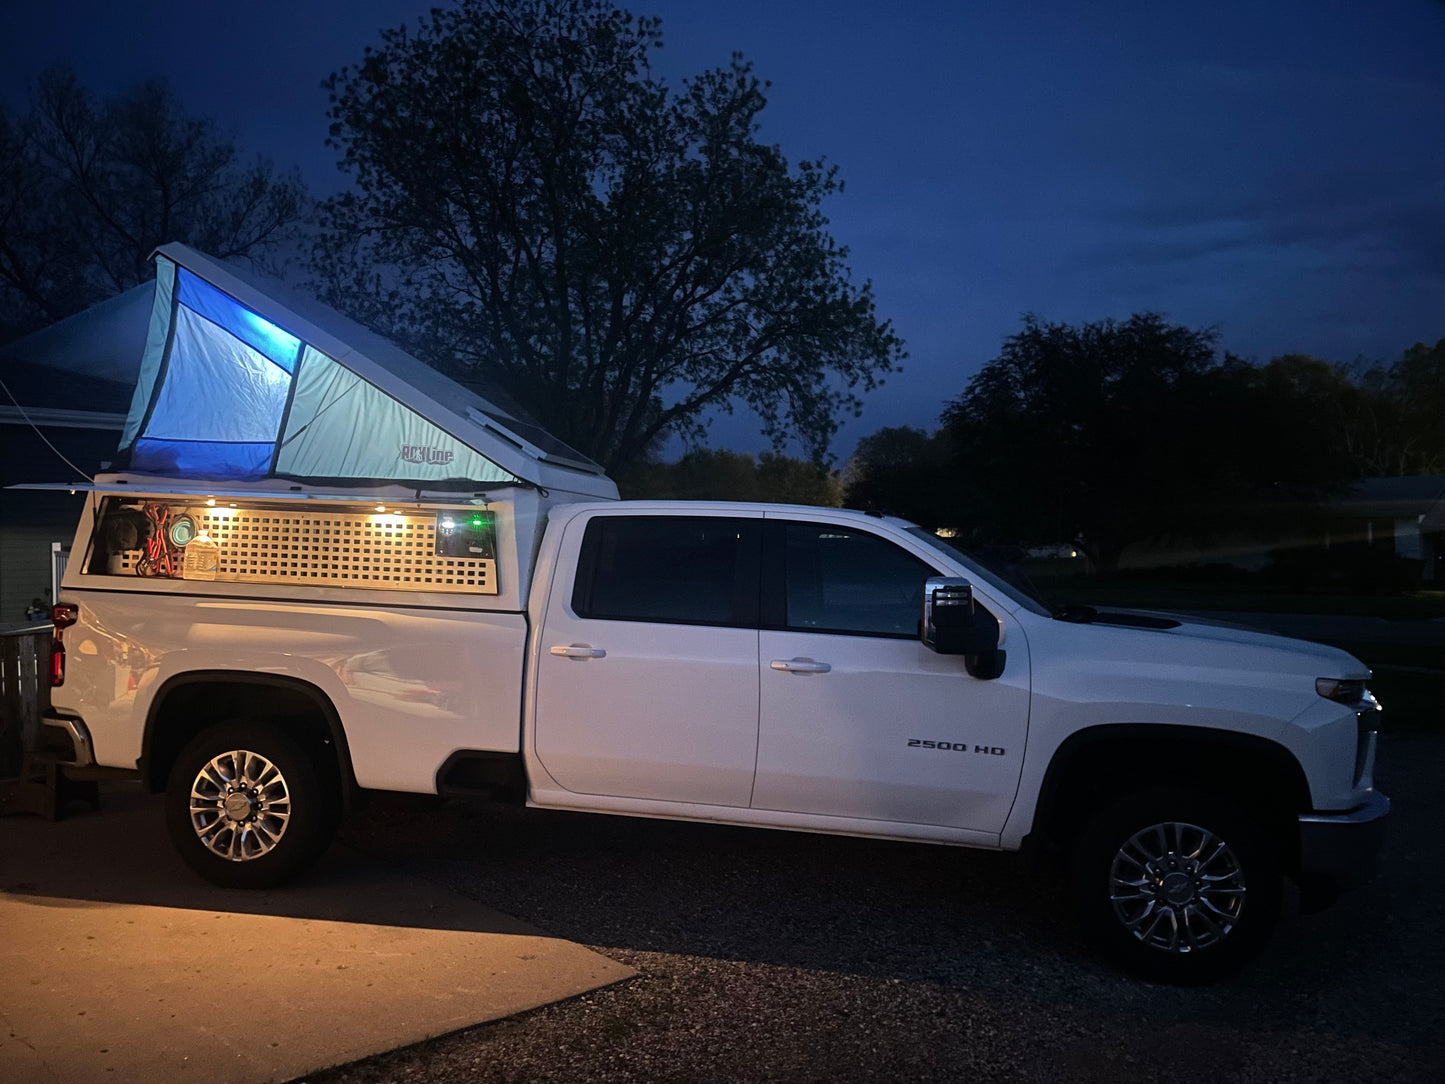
x: 62, y: 616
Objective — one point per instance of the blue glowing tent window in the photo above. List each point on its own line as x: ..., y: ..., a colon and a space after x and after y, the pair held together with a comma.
x: 225, y: 311
x: 201, y: 458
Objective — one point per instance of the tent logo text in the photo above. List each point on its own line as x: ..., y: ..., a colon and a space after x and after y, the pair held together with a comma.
x: 421, y: 453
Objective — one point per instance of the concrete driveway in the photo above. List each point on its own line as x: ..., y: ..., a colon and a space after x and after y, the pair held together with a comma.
x: 117, y: 964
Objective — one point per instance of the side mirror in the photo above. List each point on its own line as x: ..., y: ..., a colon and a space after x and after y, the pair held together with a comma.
x: 952, y: 625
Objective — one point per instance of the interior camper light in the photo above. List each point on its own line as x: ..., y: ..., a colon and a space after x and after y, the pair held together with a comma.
x: 210, y: 502
x: 381, y: 508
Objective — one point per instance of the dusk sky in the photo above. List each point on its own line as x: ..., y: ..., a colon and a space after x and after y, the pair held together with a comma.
x: 1275, y: 169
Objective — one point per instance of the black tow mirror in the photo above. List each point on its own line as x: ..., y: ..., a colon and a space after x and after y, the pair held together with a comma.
x: 954, y: 625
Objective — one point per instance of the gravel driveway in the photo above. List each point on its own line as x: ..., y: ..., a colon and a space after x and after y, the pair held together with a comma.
x: 773, y: 956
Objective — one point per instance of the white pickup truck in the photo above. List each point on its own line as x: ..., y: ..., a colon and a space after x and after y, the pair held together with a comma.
x: 789, y: 667
x: 318, y: 567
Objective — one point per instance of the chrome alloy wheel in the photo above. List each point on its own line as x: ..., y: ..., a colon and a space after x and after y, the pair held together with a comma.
x: 1177, y: 887
x: 240, y: 805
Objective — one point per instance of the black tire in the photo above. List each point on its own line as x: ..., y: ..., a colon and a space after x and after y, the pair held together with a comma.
x: 1178, y: 886
x: 280, y: 816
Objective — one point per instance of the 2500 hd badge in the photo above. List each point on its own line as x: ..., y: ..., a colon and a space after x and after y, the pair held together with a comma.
x: 955, y: 746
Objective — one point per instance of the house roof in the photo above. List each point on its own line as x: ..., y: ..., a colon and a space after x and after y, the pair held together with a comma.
x: 103, y: 342
x: 1406, y: 496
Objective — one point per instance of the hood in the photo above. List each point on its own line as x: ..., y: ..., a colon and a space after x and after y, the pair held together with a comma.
x: 1337, y: 663
x: 1183, y: 670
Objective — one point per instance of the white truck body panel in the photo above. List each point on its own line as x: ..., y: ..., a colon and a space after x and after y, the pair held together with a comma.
x: 412, y: 685
x: 875, y: 735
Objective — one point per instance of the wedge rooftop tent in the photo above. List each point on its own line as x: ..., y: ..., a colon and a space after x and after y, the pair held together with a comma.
x: 242, y: 380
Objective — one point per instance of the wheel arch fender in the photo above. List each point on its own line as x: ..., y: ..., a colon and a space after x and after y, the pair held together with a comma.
x: 181, y: 708
x: 1098, y: 765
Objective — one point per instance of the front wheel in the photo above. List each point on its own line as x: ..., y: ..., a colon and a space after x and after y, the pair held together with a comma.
x: 245, y: 807
x: 1178, y: 886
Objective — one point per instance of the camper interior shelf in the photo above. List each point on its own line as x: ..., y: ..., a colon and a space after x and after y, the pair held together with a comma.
x: 450, y: 550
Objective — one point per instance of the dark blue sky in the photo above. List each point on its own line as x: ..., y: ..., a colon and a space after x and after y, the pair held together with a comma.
x: 1275, y: 169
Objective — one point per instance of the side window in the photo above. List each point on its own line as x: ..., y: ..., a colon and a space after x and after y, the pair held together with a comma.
x: 838, y: 579
x: 691, y: 570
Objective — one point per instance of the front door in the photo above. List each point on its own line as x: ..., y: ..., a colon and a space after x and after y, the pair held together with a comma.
x: 858, y: 719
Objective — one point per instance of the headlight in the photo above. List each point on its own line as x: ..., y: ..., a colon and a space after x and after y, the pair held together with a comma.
x: 1340, y: 690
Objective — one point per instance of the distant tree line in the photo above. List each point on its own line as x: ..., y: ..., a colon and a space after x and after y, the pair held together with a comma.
x: 1112, y: 432
x: 705, y: 474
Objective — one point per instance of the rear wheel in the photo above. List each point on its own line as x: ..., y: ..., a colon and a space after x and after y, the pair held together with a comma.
x: 1178, y: 886
x: 245, y: 806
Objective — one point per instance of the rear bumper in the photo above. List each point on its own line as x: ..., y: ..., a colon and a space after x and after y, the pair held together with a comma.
x: 1343, y: 849
x: 64, y: 740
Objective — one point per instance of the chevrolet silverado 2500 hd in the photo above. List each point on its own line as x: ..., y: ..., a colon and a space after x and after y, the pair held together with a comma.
x: 791, y: 667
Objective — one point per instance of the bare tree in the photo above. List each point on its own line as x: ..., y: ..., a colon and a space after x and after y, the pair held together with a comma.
x: 90, y: 187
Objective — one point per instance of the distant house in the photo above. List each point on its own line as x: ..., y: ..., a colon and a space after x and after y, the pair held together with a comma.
x: 66, y: 390
x: 1402, y: 516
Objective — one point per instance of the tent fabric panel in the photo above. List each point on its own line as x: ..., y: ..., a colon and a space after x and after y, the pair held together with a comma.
x: 155, y: 348
x: 202, y: 458
x: 217, y: 388
x: 340, y: 426
x: 225, y: 311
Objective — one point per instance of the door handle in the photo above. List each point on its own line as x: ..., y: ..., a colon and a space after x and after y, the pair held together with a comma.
x: 800, y: 666
x: 578, y: 651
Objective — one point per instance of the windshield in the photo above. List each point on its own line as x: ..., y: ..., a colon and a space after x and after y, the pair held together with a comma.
x: 1008, y: 580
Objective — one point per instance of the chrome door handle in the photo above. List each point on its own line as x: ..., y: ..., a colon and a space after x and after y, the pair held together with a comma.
x: 800, y: 666
x: 578, y: 651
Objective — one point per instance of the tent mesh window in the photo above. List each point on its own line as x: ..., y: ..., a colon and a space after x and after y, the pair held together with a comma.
x: 321, y: 547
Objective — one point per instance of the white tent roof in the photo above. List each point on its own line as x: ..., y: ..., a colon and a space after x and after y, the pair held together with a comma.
x: 243, y: 379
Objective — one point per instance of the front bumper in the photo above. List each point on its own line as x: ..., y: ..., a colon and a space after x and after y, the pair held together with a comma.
x: 1343, y: 849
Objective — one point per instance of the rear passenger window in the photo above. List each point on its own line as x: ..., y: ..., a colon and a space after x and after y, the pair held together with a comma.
x: 692, y: 570
x: 842, y: 580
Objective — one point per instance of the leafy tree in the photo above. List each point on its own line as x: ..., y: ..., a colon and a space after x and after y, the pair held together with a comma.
x: 704, y: 474
x: 1112, y: 433
x: 1088, y: 433
x: 907, y: 472
x: 1291, y: 426
x: 90, y: 187
x: 533, y: 208
x: 1400, y: 426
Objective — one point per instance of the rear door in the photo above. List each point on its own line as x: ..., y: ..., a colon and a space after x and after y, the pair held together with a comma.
x: 647, y: 682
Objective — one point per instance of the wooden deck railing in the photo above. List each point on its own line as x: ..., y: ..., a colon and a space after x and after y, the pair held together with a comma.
x: 24, y: 691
